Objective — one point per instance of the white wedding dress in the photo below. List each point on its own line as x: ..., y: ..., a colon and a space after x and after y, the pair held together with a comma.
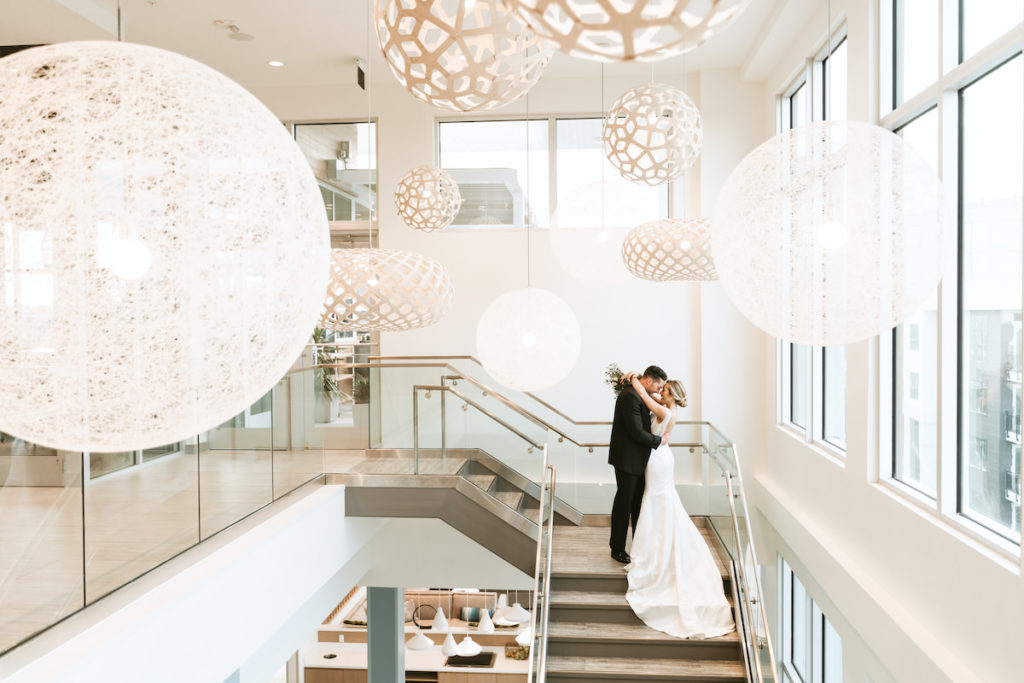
x: 674, y: 583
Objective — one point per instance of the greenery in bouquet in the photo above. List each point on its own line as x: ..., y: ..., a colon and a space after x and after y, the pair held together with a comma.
x: 613, y: 378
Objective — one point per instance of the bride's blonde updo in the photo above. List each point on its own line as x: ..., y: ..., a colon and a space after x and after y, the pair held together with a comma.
x: 678, y: 391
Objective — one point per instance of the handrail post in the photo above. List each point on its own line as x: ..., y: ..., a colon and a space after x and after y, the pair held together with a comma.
x: 444, y: 425
x: 415, y: 432
x: 745, y: 586
x: 547, y: 572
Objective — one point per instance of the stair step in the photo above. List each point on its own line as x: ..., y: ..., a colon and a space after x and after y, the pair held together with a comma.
x: 532, y: 514
x: 643, y: 669
x: 481, y: 481
x: 510, y: 498
x: 609, y: 639
x: 580, y: 630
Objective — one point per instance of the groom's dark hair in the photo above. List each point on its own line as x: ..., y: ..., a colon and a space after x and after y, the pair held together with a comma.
x: 654, y: 372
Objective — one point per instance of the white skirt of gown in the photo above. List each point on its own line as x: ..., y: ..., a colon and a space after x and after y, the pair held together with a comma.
x: 674, y: 582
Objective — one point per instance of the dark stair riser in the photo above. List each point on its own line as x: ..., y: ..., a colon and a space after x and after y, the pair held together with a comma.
x: 679, y: 649
x: 594, y: 615
x: 603, y: 583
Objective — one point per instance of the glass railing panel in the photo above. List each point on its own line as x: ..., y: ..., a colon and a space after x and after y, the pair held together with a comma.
x: 40, y: 538
x: 296, y: 460
x: 140, y: 516
x: 236, y: 467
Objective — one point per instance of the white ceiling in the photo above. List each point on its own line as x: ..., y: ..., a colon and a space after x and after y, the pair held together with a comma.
x: 319, y: 39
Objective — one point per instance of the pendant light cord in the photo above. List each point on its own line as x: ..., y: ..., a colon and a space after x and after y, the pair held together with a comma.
x: 370, y: 132
x: 526, y: 192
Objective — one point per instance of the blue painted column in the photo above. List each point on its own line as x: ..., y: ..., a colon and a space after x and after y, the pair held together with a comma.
x: 385, y: 629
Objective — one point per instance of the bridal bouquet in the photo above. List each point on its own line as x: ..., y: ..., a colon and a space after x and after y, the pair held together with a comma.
x: 613, y: 378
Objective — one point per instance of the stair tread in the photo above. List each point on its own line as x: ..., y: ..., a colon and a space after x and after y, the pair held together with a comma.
x: 595, y: 599
x: 583, y: 552
x: 482, y: 481
x: 581, y: 630
x: 725, y: 669
x: 510, y: 498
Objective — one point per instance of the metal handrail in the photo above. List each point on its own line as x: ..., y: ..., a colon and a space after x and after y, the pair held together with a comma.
x: 741, y: 570
x: 753, y: 556
x: 539, y: 617
x: 488, y: 390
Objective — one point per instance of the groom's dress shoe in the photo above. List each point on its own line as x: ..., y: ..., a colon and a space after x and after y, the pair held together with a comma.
x: 620, y: 556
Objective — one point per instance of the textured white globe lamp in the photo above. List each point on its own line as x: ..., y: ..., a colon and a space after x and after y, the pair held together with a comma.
x: 427, y: 198
x: 528, y: 339
x: 163, y: 247
x: 385, y: 289
x: 653, y: 134
x: 460, y: 56
x: 613, y: 30
x: 586, y: 230
x: 830, y: 233
x: 670, y: 249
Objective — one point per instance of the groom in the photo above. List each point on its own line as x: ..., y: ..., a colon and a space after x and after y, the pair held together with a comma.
x: 628, y: 452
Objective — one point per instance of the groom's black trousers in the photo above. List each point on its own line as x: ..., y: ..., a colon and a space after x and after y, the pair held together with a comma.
x: 625, y: 507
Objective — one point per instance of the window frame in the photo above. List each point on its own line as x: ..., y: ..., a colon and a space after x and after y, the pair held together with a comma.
x: 816, y: 625
x: 944, y: 95
x: 668, y: 188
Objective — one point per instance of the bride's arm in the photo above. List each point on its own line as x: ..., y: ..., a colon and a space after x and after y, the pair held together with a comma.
x: 652, y: 405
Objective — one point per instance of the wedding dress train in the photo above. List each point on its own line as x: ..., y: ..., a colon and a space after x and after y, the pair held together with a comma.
x: 674, y: 582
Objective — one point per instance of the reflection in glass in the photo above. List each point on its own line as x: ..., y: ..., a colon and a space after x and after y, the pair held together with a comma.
x: 344, y: 161
x: 41, y: 532
x: 488, y: 159
x: 917, y: 47
x: 915, y: 355
x: 990, y: 279
x: 835, y: 67
x: 798, y: 106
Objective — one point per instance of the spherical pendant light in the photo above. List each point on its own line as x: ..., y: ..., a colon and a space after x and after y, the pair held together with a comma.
x: 830, y: 233
x: 528, y: 339
x: 385, y: 289
x: 460, y: 56
x: 612, y: 30
x: 671, y: 249
x: 163, y: 247
x: 653, y: 134
x: 427, y: 198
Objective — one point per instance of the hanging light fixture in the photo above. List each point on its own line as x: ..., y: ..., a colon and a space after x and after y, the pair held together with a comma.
x: 440, y: 622
x: 485, y: 624
x: 385, y: 289
x: 152, y: 242
x: 528, y: 339
x: 830, y: 233
x: 469, y: 647
x: 460, y: 56
x: 526, y: 637
x: 653, y: 134
x: 427, y: 198
x: 516, y: 614
x: 614, y: 31
x: 419, y: 642
x: 670, y: 249
x: 449, y: 648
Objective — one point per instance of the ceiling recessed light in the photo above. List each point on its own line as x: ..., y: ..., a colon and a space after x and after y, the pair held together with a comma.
x: 275, y: 62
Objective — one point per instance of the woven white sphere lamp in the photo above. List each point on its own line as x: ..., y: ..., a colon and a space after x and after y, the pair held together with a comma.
x: 460, y: 56
x: 427, y: 198
x: 385, y: 289
x: 670, y: 249
x: 616, y: 31
x: 163, y: 247
x: 528, y: 339
x: 653, y: 134
x: 830, y: 233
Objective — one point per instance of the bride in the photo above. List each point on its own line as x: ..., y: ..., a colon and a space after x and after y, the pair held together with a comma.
x: 674, y: 582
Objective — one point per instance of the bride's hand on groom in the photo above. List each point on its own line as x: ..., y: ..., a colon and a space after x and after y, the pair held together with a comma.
x: 665, y: 438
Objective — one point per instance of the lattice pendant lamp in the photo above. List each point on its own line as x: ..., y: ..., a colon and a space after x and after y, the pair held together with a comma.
x: 612, y: 30
x: 460, y: 56
x: 831, y: 233
x: 653, y: 134
x: 670, y: 249
x: 427, y: 198
x: 172, y: 247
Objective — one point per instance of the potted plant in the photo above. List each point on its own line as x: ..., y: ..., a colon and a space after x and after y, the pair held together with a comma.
x: 328, y: 395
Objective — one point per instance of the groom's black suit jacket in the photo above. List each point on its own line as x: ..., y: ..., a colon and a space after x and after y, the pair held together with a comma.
x: 632, y: 441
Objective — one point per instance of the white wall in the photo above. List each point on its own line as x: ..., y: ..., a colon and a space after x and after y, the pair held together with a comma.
x: 911, y: 598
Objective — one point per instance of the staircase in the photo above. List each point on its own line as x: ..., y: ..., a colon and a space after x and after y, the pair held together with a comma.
x: 593, y: 634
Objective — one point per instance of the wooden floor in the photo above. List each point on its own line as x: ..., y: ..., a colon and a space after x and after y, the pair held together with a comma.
x: 141, y: 516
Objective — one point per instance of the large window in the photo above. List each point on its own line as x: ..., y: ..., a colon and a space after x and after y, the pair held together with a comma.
x: 503, y: 186
x: 992, y: 173
x: 951, y: 377
x: 811, y: 650
x: 344, y: 161
x: 813, y: 390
